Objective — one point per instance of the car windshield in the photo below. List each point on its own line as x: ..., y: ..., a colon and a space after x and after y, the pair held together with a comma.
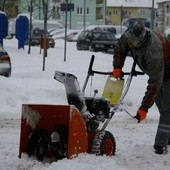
x: 103, y: 36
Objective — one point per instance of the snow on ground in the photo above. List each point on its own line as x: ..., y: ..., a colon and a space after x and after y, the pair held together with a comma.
x: 29, y: 84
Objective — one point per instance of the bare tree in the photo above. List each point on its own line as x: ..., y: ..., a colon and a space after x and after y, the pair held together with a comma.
x: 10, y: 7
x: 38, y: 6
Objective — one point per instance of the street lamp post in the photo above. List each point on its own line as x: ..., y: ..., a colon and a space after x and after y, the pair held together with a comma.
x: 30, y: 27
x: 121, y: 17
x: 152, y: 15
x: 84, y: 15
x: 105, y: 12
x: 70, y: 16
x: 39, y: 10
x: 45, y: 4
x: 65, y: 40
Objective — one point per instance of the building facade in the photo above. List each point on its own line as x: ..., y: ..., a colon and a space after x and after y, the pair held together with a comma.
x: 119, y: 10
x: 94, y: 12
x: 83, y: 15
x: 163, y: 16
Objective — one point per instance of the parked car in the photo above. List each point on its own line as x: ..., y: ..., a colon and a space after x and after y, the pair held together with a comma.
x: 118, y: 36
x: 62, y: 34
x: 36, y: 38
x: 73, y: 37
x: 56, y: 32
x: 128, y: 21
x: 5, y: 63
x: 115, y: 29
x: 50, y: 24
x: 96, y: 41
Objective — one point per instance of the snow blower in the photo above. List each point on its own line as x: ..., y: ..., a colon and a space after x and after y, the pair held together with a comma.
x: 64, y: 131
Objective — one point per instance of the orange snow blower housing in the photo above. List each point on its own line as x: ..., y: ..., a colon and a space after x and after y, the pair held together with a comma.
x: 49, y: 117
x: 64, y: 131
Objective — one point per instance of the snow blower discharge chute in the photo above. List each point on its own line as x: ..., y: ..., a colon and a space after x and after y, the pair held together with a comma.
x: 64, y: 131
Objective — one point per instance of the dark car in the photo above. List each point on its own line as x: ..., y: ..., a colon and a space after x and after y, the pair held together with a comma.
x: 36, y: 38
x: 5, y: 63
x: 96, y: 41
x: 129, y: 21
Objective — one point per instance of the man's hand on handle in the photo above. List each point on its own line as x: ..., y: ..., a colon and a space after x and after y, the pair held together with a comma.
x: 117, y: 73
x: 141, y: 115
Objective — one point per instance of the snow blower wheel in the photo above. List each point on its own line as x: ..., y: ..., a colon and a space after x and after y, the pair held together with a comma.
x: 33, y: 140
x: 103, y: 144
x: 60, y: 148
x: 42, y: 147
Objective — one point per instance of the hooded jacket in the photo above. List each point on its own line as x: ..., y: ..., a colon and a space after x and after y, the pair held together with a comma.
x: 153, y: 58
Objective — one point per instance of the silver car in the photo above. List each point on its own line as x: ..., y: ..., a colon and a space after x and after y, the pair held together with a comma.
x: 5, y: 63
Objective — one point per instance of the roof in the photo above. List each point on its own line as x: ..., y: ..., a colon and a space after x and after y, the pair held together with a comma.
x: 131, y: 3
x: 161, y: 1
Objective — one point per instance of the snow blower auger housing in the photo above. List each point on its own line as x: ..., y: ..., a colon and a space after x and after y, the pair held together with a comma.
x: 52, y: 130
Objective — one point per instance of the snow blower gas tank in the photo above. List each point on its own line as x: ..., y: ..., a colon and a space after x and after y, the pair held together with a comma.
x: 113, y: 89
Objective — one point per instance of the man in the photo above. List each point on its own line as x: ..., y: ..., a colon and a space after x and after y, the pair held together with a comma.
x: 152, y: 54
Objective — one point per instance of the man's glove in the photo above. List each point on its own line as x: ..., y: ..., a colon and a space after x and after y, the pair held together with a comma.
x: 117, y: 73
x: 141, y: 115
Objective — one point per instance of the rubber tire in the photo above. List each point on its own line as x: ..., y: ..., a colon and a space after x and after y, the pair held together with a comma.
x: 62, y: 129
x: 103, y: 144
x: 33, y: 140
x: 42, y: 147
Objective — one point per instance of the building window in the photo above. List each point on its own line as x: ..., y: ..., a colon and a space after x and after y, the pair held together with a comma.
x: 167, y: 8
x: 87, y: 11
x: 130, y: 13
x: 142, y: 13
x: 115, y: 12
x: 80, y: 11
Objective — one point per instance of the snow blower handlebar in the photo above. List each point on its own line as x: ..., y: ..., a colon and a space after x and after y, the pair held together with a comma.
x: 132, y: 73
x: 128, y: 82
x: 91, y: 72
